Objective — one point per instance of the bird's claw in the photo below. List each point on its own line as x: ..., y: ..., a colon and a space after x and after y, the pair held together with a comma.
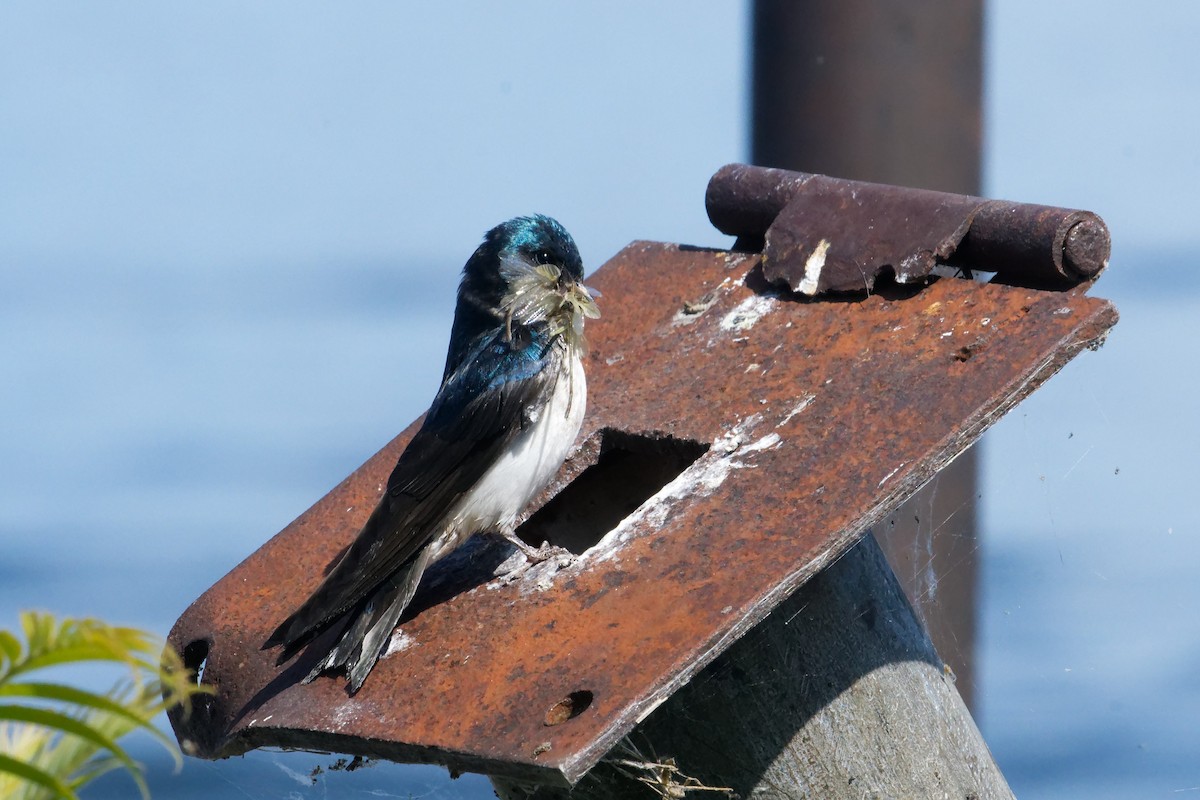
x: 536, y: 555
x: 548, y: 552
x: 539, y: 564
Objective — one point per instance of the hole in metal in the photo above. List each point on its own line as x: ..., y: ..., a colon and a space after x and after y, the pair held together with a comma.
x: 195, y: 658
x: 630, y: 470
x: 569, y: 707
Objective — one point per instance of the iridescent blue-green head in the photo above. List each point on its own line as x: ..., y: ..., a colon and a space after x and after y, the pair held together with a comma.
x: 527, y: 272
x: 537, y: 239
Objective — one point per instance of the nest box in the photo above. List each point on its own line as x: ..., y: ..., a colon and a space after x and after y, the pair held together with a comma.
x: 751, y: 413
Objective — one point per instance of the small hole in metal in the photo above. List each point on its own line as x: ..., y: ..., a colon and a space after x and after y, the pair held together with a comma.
x: 195, y: 658
x: 569, y: 707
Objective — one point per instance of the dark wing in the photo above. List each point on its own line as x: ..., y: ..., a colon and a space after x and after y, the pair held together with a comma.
x: 476, y: 414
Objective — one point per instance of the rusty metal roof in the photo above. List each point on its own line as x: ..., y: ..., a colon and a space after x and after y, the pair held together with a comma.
x: 739, y: 437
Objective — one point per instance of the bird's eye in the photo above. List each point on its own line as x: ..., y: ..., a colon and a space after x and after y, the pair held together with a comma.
x: 543, y: 257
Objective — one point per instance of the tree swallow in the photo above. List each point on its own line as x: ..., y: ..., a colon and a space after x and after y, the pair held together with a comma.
x: 509, y: 407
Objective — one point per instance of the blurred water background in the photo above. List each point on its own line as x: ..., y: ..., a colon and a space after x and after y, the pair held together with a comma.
x: 230, y: 237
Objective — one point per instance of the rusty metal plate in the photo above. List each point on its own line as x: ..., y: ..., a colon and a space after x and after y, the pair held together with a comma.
x: 797, y: 424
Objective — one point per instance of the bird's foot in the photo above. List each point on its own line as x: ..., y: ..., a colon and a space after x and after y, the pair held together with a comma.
x: 536, y: 555
x: 534, y: 565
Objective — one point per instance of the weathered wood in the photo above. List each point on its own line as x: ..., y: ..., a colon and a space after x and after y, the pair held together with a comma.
x: 837, y: 694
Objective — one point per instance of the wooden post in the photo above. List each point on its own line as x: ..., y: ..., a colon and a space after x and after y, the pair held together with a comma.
x: 837, y: 694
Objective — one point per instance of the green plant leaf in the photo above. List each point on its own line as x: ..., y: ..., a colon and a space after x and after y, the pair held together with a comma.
x: 64, y: 724
x: 10, y: 646
x: 70, y: 737
x: 37, y: 776
x: 138, y: 716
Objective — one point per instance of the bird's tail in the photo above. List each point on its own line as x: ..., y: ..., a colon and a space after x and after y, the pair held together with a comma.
x: 360, y: 646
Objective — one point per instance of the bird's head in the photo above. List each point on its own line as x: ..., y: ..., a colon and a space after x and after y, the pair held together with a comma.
x: 543, y: 278
x: 526, y: 271
x: 532, y: 273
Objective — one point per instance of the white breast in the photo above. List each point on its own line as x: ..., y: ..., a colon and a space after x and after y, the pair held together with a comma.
x: 529, y: 463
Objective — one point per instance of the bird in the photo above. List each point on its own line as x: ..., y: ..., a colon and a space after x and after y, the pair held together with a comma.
x: 510, y: 405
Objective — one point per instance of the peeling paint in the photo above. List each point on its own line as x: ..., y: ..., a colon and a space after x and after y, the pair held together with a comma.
x: 804, y: 403
x: 345, y: 714
x: 747, y: 313
x: 692, y: 310
x: 399, y: 642
x: 888, y: 477
x: 812, y: 269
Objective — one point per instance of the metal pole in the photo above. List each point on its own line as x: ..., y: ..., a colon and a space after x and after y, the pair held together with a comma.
x: 888, y: 91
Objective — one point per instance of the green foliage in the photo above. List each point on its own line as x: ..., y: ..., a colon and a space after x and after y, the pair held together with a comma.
x: 55, y: 738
